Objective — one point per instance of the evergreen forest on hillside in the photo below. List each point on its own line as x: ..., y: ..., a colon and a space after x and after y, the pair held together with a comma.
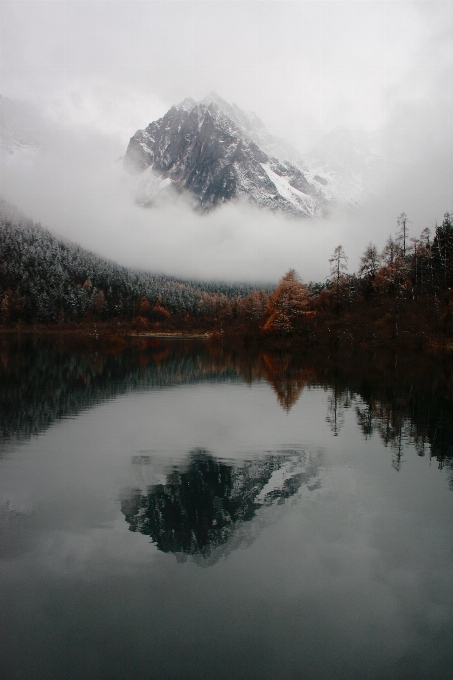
x: 46, y: 280
x: 401, y: 295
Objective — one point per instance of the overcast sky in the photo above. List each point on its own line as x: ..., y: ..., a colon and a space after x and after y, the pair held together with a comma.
x: 100, y: 70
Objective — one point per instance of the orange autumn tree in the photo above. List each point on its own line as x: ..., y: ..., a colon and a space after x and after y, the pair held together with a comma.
x: 287, y: 305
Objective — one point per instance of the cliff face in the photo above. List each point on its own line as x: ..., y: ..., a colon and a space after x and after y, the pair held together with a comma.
x: 199, y: 149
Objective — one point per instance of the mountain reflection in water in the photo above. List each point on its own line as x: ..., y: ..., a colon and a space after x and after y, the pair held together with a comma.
x: 201, y: 505
x: 124, y: 472
x: 405, y: 399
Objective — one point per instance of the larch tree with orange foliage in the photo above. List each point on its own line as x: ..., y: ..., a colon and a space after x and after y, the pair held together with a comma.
x: 287, y: 305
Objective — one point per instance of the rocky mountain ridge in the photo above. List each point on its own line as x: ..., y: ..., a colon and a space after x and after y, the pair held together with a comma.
x: 216, y: 152
x: 199, y: 149
x: 253, y: 128
x: 213, y: 152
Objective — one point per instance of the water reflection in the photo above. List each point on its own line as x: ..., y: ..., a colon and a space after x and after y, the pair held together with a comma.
x: 405, y: 400
x: 342, y: 547
x: 203, y: 503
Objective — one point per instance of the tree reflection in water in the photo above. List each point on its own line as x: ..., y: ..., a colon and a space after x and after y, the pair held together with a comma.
x: 404, y: 399
x: 201, y: 505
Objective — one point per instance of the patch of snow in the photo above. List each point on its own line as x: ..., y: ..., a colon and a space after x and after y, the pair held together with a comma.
x: 297, y: 198
x: 187, y: 105
x: 291, y: 467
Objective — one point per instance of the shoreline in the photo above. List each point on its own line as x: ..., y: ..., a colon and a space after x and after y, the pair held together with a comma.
x: 172, y: 336
x: 88, y: 331
x: 120, y: 337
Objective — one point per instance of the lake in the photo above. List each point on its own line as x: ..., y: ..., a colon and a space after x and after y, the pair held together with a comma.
x: 183, y: 511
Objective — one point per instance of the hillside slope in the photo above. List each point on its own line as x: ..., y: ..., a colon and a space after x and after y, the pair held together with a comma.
x: 44, y: 279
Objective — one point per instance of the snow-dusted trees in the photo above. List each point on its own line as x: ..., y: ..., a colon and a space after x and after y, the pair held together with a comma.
x: 43, y: 279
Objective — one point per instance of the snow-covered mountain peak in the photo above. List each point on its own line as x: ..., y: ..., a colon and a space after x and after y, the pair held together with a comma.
x: 187, y: 104
x: 217, y: 152
x: 199, y: 149
x: 245, y: 120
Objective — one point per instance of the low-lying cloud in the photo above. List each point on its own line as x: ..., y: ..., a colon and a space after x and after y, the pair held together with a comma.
x: 76, y: 189
x: 101, y: 70
x: 76, y: 186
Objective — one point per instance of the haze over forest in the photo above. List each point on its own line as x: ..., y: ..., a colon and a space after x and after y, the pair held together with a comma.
x: 87, y: 75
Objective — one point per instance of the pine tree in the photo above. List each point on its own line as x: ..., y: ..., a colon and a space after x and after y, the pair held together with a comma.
x: 338, y: 267
x: 443, y: 252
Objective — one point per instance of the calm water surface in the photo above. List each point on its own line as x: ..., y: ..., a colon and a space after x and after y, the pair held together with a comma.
x: 176, y: 511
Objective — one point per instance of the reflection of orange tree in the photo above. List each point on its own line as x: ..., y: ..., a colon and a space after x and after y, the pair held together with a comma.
x: 286, y: 381
x: 159, y: 357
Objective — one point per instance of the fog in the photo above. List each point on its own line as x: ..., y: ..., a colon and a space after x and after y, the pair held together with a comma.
x: 77, y: 191
x: 98, y: 71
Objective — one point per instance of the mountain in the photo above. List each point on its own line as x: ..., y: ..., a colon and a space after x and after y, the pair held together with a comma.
x: 199, y: 149
x: 45, y: 280
x: 216, y: 152
x: 254, y: 129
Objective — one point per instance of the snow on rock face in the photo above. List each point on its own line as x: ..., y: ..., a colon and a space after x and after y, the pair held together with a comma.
x: 297, y: 198
x: 201, y: 150
x: 339, y: 167
x: 253, y: 127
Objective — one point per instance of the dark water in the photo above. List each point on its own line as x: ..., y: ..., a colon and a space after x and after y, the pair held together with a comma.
x: 176, y: 511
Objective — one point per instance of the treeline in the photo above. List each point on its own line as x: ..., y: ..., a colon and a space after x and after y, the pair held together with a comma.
x: 46, y: 280
x: 402, y: 295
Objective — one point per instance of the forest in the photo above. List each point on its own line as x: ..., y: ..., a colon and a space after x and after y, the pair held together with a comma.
x: 44, y: 280
x: 401, y: 295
